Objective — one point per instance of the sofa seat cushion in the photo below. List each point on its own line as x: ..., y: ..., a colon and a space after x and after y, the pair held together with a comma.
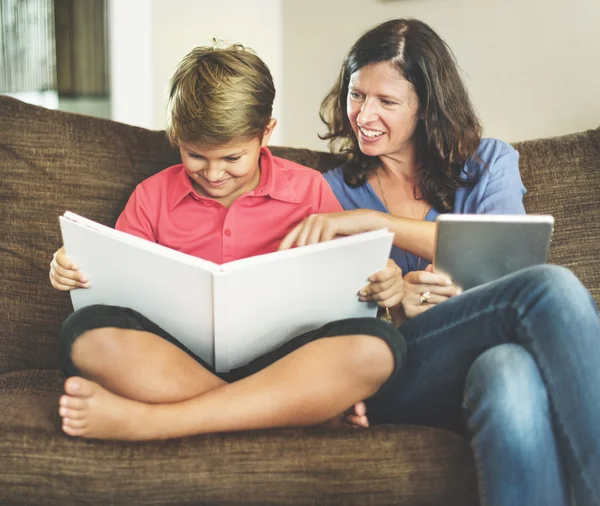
x: 41, y: 465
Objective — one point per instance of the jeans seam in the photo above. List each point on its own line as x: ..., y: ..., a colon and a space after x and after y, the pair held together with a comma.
x: 459, y: 322
x: 557, y: 414
x: 480, y: 484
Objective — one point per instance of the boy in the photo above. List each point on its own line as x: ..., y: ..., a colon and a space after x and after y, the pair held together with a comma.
x: 229, y: 199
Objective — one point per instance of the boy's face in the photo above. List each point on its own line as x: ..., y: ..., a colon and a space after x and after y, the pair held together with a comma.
x: 225, y: 172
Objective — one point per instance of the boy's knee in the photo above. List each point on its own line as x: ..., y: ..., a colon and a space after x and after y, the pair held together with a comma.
x: 372, y: 358
x: 90, y: 334
x: 96, y: 346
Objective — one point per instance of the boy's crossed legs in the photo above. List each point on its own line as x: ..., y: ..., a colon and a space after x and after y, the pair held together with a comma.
x: 144, y: 387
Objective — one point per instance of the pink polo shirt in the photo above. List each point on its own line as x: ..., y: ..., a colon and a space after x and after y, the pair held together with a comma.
x: 165, y: 209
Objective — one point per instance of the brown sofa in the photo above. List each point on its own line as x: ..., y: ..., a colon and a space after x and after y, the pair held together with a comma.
x: 52, y: 161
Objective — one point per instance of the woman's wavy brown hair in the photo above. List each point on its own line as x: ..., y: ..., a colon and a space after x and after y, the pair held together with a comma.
x: 450, y: 130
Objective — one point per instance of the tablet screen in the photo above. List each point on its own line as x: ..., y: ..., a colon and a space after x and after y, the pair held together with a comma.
x: 473, y: 249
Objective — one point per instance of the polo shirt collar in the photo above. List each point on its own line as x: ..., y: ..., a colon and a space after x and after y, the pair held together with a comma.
x: 271, y: 183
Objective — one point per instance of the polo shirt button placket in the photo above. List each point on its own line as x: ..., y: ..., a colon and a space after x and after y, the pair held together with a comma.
x: 227, y: 245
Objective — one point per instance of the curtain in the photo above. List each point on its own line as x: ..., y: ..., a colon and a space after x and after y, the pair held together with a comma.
x: 27, y: 51
x: 81, y: 49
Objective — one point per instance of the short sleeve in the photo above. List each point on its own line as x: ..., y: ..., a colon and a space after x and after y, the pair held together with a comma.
x: 329, y: 203
x: 500, y: 189
x: 136, y: 217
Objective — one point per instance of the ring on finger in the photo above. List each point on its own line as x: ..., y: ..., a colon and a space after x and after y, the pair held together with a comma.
x: 424, y: 298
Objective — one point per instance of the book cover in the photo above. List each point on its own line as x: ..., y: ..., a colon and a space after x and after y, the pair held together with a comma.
x: 226, y: 314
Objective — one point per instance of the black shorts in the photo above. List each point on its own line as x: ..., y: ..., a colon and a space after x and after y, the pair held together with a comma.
x: 100, y: 316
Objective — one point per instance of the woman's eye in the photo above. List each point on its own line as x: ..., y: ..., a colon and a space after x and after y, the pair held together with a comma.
x: 354, y: 94
x: 387, y: 102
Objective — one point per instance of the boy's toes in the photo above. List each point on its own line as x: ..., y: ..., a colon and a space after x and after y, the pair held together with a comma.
x: 73, y: 423
x: 66, y: 401
x: 79, y: 387
x: 74, y: 414
x: 72, y: 431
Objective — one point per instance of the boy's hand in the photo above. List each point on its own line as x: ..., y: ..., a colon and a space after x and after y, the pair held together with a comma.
x: 324, y: 227
x: 386, y: 287
x: 418, y: 284
x: 64, y: 273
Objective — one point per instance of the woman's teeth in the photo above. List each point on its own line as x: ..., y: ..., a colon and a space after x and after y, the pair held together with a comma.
x: 371, y: 133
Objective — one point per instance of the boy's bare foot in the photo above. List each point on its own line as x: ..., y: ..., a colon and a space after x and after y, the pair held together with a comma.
x: 355, y: 417
x: 90, y: 411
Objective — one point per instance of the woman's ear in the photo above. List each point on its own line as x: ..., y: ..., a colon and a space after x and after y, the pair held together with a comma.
x: 268, y: 131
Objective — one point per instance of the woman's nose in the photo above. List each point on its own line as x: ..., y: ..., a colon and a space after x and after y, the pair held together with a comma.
x: 367, y: 112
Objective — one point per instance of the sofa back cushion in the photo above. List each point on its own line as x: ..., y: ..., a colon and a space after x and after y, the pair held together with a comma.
x: 562, y: 177
x: 52, y: 161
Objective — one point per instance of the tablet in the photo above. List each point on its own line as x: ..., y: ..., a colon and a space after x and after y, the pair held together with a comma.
x: 472, y: 249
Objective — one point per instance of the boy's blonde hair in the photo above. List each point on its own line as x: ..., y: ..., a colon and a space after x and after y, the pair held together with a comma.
x: 217, y: 95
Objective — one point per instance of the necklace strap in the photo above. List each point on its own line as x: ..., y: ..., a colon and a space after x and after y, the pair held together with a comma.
x: 389, y: 210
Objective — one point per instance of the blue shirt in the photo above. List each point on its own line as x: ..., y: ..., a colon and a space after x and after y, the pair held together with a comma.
x: 498, y: 189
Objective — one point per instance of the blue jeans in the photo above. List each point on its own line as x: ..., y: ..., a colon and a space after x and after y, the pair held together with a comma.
x: 519, y: 358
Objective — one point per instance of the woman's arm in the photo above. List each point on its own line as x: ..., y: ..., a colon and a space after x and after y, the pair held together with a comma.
x: 412, y: 235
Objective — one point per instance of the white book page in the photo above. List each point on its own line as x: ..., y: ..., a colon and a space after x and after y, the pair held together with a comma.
x: 172, y: 289
x: 270, y: 299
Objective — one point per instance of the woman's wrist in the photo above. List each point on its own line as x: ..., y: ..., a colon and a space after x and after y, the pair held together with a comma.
x: 375, y: 220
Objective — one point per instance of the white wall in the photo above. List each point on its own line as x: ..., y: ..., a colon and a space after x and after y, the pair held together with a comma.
x: 147, y: 46
x: 130, y: 30
x: 531, y: 65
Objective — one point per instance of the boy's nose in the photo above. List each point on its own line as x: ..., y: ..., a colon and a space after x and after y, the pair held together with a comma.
x: 213, y: 174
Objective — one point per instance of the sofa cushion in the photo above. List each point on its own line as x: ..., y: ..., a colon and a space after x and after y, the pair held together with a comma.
x: 50, y: 162
x: 562, y: 177
x: 381, y: 465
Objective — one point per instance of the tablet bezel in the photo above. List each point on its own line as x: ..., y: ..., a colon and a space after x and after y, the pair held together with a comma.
x: 479, y: 248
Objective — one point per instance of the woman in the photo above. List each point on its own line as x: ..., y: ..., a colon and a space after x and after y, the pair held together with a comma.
x: 517, y: 358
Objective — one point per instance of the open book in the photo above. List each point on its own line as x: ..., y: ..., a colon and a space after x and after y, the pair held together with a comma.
x: 232, y: 313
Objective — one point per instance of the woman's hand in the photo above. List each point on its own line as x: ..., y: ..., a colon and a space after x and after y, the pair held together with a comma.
x: 324, y: 227
x: 421, y: 285
x: 386, y: 287
x: 64, y: 273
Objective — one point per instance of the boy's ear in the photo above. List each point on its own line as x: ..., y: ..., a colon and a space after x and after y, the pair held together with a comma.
x: 268, y: 131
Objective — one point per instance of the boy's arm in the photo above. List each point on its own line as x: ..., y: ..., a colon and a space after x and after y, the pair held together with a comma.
x: 136, y: 217
x: 329, y: 203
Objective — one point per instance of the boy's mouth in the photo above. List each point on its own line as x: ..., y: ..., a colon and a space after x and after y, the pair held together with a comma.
x: 216, y: 184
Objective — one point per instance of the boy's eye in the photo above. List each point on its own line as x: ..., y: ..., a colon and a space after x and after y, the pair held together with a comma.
x: 233, y: 158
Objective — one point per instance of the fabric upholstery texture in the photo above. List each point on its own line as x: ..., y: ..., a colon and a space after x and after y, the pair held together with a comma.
x: 51, y: 162
x: 313, y: 466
